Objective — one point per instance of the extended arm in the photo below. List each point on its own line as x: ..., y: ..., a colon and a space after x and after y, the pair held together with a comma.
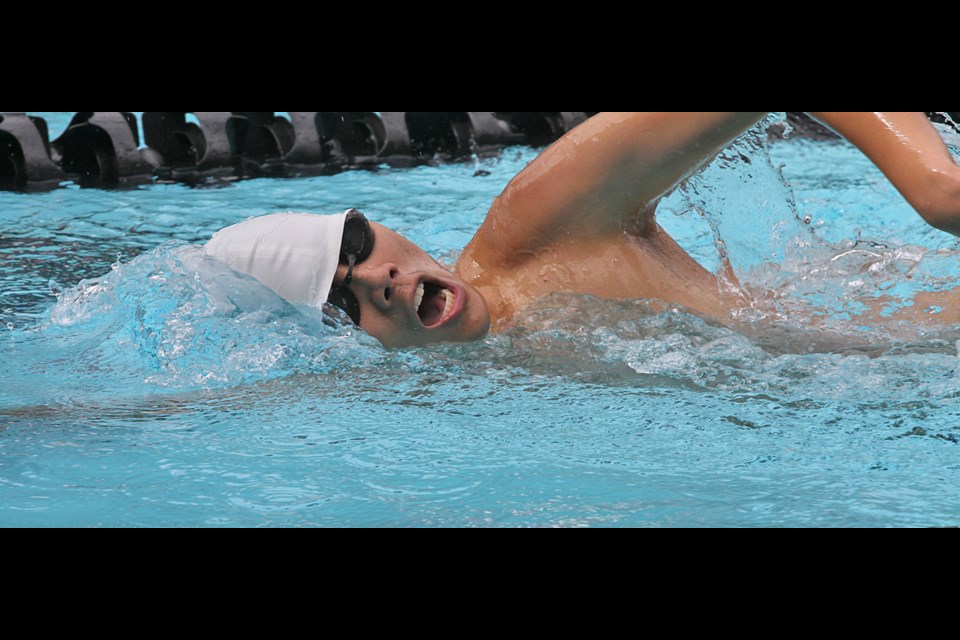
x: 911, y: 154
x: 605, y: 176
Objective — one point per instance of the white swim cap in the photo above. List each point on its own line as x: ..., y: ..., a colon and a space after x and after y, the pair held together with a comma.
x: 295, y: 254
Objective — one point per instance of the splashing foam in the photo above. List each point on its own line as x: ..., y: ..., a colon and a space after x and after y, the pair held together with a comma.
x: 799, y: 279
x: 175, y: 318
x: 824, y: 315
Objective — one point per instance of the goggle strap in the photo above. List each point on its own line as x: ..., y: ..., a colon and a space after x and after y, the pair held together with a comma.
x: 351, y: 264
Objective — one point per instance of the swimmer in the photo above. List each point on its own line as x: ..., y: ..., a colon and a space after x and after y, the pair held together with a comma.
x: 581, y: 218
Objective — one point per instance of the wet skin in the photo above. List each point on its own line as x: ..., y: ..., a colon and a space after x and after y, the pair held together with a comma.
x: 386, y: 285
x: 581, y: 219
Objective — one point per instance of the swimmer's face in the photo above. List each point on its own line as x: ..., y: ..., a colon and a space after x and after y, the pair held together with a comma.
x: 407, y: 299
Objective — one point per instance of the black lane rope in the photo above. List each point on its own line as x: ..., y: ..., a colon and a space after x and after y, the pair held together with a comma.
x: 102, y: 149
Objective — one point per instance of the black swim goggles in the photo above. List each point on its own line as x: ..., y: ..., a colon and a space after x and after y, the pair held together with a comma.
x: 355, y: 248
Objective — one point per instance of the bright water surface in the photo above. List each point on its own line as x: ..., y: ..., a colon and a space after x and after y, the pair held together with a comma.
x: 148, y: 396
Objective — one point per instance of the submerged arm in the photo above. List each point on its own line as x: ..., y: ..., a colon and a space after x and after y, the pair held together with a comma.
x: 605, y: 176
x: 910, y: 152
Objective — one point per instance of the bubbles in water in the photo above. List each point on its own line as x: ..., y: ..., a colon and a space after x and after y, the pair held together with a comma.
x: 784, y: 122
x: 183, y: 324
x: 949, y: 119
x: 198, y: 325
x: 747, y: 202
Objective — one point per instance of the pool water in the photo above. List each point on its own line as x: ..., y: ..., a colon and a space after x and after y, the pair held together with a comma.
x: 144, y: 385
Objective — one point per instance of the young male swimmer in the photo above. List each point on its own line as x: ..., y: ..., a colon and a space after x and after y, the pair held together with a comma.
x: 580, y: 218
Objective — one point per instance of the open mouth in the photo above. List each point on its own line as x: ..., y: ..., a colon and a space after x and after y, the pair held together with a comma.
x: 435, y: 304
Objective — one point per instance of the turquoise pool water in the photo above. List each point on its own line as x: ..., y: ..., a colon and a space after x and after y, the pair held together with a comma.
x: 136, y: 394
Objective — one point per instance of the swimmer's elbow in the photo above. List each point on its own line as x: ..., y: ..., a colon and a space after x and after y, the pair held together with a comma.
x: 940, y: 204
x: 944, y: 220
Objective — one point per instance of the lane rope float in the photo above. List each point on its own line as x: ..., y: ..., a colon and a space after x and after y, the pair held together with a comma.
x: 102, y: 149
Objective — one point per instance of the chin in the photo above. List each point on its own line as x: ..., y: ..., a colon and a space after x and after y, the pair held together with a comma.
x: 480, y: 330
x: 475, y: 323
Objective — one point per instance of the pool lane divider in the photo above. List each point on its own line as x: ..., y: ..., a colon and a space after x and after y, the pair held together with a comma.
x: 25, y: 162
x: 102, y: 149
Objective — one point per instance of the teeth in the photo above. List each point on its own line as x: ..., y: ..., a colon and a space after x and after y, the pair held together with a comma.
x: 418, y: 297
x: 449, y: 302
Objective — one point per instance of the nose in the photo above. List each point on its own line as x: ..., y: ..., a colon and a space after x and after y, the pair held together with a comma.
x: 376, y: 282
